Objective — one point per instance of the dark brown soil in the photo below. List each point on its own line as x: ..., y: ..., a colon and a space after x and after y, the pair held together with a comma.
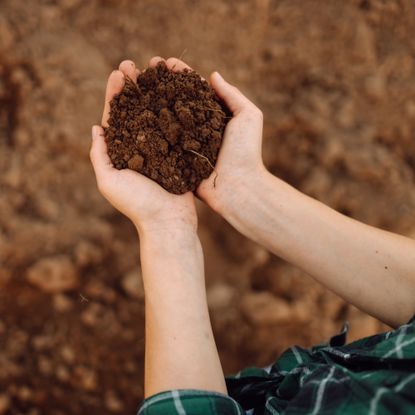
x: 168, y: 127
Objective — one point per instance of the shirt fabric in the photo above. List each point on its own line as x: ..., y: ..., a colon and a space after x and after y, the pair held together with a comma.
x: 374, y: 375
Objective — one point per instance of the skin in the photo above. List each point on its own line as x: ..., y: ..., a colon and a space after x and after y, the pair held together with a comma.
x: 179, y: 339
x: 370, y: 268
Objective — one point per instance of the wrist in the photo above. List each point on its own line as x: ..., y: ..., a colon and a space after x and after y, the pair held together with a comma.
x: 160, y: 228
x: 168, y: 233
x: 173, y: 250
x: 257, y: 204
x: 242, y: 194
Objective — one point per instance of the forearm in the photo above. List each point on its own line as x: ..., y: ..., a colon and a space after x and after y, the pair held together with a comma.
x: 368, y: 267
x: 180, y: 348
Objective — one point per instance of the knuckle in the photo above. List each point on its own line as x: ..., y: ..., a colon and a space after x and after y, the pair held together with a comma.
x: 171, y: 61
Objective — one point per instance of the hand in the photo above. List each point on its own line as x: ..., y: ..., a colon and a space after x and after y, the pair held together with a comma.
x: 239, y: 168
x: 148, y: 205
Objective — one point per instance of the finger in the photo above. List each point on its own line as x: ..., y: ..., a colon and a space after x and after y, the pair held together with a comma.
x: 115, y: 85
x: 177, y: 65
x: 99, y: 154
x: 154, y: 61
x: 233, y: 98
x: 128, y: 69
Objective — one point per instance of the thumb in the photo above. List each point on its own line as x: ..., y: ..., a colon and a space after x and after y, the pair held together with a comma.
x: 231, y: 95
x: 98, y: 153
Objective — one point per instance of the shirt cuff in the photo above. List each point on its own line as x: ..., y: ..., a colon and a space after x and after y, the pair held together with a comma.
x: 186, y: 402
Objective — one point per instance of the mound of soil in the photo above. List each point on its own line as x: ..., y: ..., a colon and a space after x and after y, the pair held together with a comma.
x: 168, y: 127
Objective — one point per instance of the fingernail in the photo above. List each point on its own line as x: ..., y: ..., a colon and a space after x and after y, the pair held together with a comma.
x: 219, y: 76
x: 116, y: 71
x: 95, y: 131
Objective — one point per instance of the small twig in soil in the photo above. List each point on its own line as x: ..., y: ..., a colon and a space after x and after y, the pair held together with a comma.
x: 180, y: 58
x: 210, y: 164
x: 182, y: 54
x: 83, y: 299
x: 214, y: 109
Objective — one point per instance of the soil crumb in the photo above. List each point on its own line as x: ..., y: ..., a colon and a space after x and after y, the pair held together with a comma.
x: 168, y: 126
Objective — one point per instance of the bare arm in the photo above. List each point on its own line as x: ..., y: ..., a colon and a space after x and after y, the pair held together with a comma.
x: 368, y: 267
x: 180, y: 349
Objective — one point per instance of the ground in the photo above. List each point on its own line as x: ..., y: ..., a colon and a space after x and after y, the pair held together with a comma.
x: 336, y: 82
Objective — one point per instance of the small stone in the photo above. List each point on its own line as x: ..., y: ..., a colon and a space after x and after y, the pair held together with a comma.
x: 91, y: 316
x: 62, y: 373
x: 53, y: 275
x: 136, y: 162
x: 375, y: 86
x: 24, y: 393
x: 87, y: 378
x: 62, y: 303
x: 263, y: 309
x: 68, y: 354
x: 220, y: 296
x: 98, y: 290
x: 112, y: 402
x: 40, y: 343
x: 260, y: 256
x: 132, y: 283
x: 45, y: 366
x: 87, y: 253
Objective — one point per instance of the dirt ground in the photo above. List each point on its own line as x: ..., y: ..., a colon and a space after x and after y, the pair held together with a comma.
x: 336, y: 82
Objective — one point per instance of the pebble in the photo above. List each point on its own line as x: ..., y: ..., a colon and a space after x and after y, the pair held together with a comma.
x: 25, y: 393
x: 263, y: 309
x: 45, y: 366
x: 132, y: 283
x: 86, y: 253
x: 87, y: 378
x: 220, y: 296
x: 62, y: 303
x: 68, y: 354
x: 136, y: 162
x: 62, y: 373
x: 112, y: 402
x: 53, y: 275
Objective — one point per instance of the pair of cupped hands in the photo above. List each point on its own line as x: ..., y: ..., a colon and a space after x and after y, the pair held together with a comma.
x: 147, y: 204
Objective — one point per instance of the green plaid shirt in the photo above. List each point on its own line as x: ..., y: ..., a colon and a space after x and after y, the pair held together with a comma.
x: 374, y: 375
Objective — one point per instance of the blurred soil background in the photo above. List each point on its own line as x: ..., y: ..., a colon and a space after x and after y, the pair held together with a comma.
x: 336, y: 82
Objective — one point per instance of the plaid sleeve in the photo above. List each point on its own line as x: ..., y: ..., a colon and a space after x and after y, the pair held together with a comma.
x: 190, y: 402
